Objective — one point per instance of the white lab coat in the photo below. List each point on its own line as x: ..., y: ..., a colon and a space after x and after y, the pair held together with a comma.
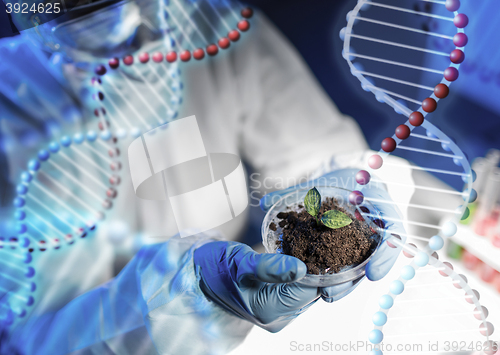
x: 259, y: 101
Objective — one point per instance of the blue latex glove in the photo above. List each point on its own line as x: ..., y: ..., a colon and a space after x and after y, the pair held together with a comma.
x: 257, y: 287
x: 385, y: 257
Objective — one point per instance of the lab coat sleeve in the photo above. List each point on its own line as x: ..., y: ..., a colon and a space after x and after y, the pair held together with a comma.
x: 290, y: 125
x: 155, y: 300
x: 35, y: 104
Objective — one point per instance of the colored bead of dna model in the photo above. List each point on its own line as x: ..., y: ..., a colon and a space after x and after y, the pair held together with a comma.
x: 16, y: 279
x: 185, y: 55
x: 385, y: 65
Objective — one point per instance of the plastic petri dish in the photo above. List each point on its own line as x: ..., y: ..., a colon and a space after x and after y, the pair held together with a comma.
x: 291, y: 202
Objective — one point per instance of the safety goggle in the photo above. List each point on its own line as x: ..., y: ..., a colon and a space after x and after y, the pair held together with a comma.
x: 45, y: 23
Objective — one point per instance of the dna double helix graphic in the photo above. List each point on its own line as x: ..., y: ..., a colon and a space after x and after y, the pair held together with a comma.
x: 15, y: 258
x: 386, y: 48
x: 50, y: 185
x: 117, y: 113
x: 70, y: 186
x: 192, y: 18
x: 193, y: 29
x: 62, y: 196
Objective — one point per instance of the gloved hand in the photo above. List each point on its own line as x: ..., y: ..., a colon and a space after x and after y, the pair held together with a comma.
x: 385, y: 257
x: 257, y: 287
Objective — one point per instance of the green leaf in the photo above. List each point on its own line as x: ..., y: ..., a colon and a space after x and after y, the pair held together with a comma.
x: 335, y: 219
x: 312, y: 202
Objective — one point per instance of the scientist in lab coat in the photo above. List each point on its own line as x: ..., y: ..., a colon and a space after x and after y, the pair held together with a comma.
x: 195, y: 295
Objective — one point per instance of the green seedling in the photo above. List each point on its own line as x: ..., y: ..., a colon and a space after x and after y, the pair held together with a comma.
x: 332, y: 219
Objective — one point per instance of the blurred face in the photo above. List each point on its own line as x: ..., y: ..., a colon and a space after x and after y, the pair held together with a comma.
x: 99, y: 30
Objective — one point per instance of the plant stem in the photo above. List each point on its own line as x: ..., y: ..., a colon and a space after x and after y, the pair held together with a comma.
x: 317, y: 220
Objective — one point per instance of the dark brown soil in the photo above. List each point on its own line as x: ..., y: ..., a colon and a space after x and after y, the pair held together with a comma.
x: 322, y: 249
